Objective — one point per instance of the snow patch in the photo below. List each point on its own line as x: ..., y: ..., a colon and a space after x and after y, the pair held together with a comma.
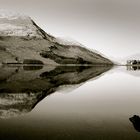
x: 11, y: 15
x: 13, y: 30
x: 15, y: 24
x: 67, y: 41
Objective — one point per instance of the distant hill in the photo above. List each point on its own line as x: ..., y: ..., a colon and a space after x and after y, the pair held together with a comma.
x: 132, y: 57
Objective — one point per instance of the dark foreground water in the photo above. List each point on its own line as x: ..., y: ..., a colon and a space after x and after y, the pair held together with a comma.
x: 69, y: 103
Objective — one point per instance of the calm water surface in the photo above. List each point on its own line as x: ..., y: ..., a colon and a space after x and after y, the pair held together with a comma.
x: 70, y: 103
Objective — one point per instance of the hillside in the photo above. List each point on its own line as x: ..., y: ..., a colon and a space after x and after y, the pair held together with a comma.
x: 22, y: 39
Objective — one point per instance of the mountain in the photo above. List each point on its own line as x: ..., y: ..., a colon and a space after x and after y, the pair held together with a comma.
x: 23, y: 41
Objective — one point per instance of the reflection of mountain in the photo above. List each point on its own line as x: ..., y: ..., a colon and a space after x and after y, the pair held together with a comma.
x: 14, y: 104
x: 22, y: 88
x: 136, y: 122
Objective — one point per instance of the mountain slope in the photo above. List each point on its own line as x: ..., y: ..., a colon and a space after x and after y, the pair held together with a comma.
x: 22, y: 39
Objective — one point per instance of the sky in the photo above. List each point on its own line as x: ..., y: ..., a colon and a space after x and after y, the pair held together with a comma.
x: 111, y: 27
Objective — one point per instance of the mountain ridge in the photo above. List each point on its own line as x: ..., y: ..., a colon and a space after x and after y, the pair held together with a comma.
x: 22, y: 39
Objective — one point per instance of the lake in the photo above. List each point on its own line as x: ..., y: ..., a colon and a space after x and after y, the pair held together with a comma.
x: 69, y: 103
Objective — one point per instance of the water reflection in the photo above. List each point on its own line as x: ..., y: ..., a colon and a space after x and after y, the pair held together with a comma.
x: 136, y: 122
x: 133, y: 68
x: 21, y: 88
x: 36, y: 67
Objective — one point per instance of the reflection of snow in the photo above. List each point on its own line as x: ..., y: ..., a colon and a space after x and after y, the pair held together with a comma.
x: 5, y: 114
x: 13, y: 105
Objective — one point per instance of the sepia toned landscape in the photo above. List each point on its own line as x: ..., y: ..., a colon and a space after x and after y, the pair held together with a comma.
x: 52, y: 88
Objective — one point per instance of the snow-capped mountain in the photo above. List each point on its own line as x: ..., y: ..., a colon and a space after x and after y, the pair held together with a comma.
x: 22, y: 40
x: 12, y: 24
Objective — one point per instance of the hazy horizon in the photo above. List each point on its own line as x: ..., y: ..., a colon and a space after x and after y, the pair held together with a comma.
x: 108, y: 26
